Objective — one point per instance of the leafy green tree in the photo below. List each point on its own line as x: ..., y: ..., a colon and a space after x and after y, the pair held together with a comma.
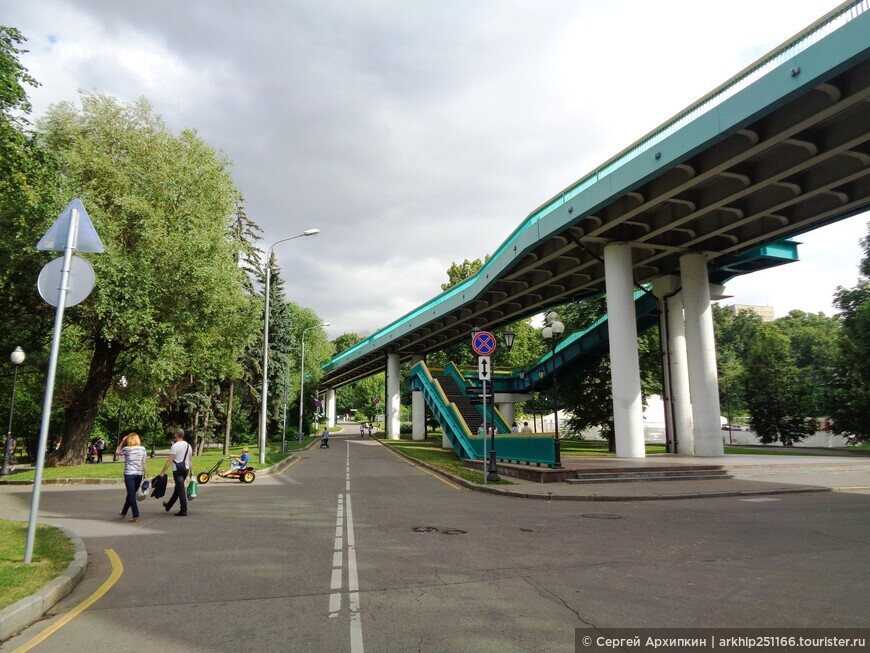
x: 588, y: 395
x: 459, y: 272
x: 734, y: 336
x: 849, y: 403
x: 776, y: 392
x: 169, y: 298
x: 28, y: 193
x: 358, y: 397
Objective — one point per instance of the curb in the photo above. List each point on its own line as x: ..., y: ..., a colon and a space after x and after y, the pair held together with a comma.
x: 272, y: 469
x: 30, y: 609
x: 607, y: 497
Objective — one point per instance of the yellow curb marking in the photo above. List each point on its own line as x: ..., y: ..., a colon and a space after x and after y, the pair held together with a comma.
x: 117, y: 570
x: 283, y: 470
x: 422, y: 469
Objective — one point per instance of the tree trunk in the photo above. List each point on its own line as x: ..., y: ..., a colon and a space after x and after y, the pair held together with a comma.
x: 194, y: 432
x: 85, y: 406
x: 227, y: 427
x: 201, y: 444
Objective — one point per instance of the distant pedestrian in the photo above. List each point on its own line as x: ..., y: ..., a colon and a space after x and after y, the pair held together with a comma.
x: 135, y: 463
x: 515, y: 428
x: 9, y: 452
x: 181, y: 459
x: 324, y: 438
x: 526, y: 428
x: 362, y: 430
x: 101, y: 444
x: 370, y: 429
x: 481, y: 430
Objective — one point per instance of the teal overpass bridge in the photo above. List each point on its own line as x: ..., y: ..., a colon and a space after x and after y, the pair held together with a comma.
x: 778, y: 150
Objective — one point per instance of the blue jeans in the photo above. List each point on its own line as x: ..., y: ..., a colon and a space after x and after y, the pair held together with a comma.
x: 132, y: 483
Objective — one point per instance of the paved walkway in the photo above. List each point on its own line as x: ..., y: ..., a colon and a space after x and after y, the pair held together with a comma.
x: 750, y: 475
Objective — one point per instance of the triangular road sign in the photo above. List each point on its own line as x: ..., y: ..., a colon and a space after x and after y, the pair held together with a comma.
x: 54, y: 239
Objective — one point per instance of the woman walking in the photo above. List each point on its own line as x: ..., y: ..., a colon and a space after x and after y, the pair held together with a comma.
x: 135, y: 462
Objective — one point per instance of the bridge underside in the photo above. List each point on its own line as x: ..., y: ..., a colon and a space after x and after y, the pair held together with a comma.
x: 773, y: 160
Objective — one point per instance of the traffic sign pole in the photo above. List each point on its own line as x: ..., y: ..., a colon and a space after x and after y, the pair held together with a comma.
x: 72, y: 235
x: 484, y: 343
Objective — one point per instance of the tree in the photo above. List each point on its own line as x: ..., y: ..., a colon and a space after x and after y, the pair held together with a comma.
x: 28, y: 192
x: 775, y: 390
x: 850, y: 394
x: 459, y: 272
x: 734, y: 336
x: 169, y: 298
x: 588, y: 395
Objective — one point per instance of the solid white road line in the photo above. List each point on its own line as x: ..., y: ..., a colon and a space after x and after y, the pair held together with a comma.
x: 356, y: 638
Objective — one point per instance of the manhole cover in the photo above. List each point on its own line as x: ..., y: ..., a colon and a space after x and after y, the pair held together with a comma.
x: 454, y: 531
x: 425, y: 529
x: 602, y: 515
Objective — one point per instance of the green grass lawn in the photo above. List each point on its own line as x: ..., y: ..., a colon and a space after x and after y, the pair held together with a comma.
x: 109, y: 469
x: 769, y: 451
x: 586, y: 448
x: 430, y: 452
x: 52, y: 553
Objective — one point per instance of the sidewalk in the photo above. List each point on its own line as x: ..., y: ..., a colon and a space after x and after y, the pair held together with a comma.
x: 742, y: 475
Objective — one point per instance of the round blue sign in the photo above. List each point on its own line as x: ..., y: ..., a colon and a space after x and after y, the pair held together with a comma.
x: 483, y: 343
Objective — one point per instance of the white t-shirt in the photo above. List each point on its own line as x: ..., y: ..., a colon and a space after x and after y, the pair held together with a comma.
x: 181, y: 452
x: 134, y: 461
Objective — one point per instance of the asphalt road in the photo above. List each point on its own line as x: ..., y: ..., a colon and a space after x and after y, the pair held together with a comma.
x: 353, y: 549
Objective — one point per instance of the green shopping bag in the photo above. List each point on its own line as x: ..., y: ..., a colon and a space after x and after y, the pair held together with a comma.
x: 192, y: 489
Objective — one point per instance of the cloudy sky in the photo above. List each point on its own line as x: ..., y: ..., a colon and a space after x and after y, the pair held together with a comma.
x: 416, y: 133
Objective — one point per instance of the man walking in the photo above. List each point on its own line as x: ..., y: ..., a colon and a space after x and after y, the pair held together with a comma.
x: 181, y: 459
x: 101, y: 444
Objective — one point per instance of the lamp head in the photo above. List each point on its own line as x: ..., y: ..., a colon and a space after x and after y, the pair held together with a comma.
x: 558, y: 328
x: 17, y: 356
x: 540, y: 374
x: 311, y: 232
x: 547, y: 332
x: 509, y: 336
x: 551, y: 317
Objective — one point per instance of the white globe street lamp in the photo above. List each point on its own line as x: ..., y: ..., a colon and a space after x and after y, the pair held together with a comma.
x: 16, y: 358
x: 552, y: 333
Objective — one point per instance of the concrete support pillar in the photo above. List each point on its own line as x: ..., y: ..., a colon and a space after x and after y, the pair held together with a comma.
x: 418, y: 408
x: 330, y: 407
x: 701, y: 352
x: 625, y: 368
x: 678, y: 406
x: 391, y: 416
x: 679, y: 377
x: 508, y: 411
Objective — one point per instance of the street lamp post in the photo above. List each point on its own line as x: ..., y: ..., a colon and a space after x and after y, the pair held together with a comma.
x: 265, y: 391
x: 284, y: 423
x: 302, y: 373
x: 122, y: 383
x: 16, y: 358
x: 552, y: 332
